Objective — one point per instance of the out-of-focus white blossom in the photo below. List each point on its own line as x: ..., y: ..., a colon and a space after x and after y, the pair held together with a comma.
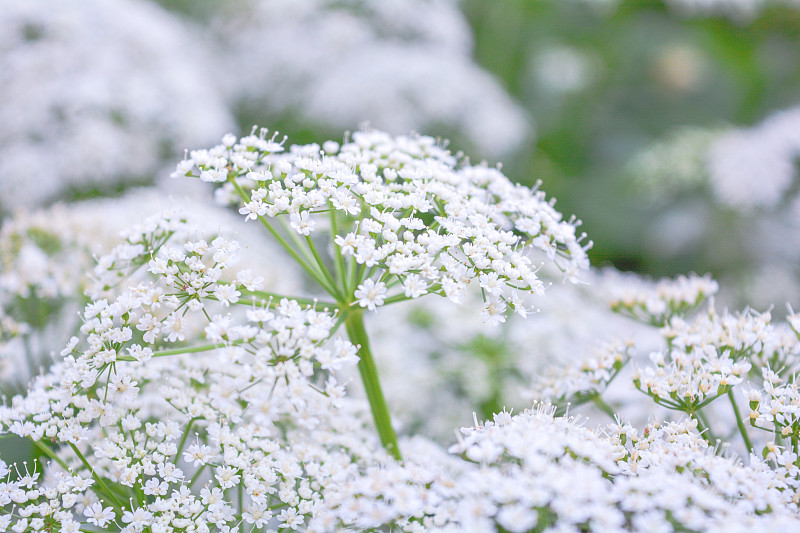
x: 399, y: 66
x: 742, y: 11
x: 675, y: 163
x: 746, y: 222
x: 96, y: 94
x: 561, y: 69
x: 434, y: 352
x: 753, y: 168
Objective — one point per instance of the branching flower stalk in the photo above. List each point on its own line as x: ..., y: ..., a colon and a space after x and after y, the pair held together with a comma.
x: 401, y: 218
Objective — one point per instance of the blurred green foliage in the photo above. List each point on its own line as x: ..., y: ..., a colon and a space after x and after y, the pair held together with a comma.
x: 651, y: 71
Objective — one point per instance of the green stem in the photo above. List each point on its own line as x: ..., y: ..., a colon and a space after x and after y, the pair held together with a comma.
x: 102, y: 484
x: 740, y: 422
x: 276, y: 298
x: 188, y: 349
x: 352, y: 267
x: 183, y: 440
x: 278, y: 237
x: 337, y: 252
x: 312, y: 261
x: 354, y: 322
x: 703, y: 427
x: 322, y: 268
x: 196, y: 475
x: 51, y: 454
x: 603, y: 406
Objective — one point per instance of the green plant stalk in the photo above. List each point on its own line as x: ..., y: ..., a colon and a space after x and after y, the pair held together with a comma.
x: 740, y: 422
x: 703, y: 427
x: 51, y: 454
x: 188, y: 349
x: 115, y: 502
x: 317, y: 276
x: 354, y: 323
x: 603, y: 405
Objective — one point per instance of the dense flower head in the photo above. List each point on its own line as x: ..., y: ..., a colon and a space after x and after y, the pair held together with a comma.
x: 50, y: 259
x: 248, y: 400
x: 408, y: 213
x: 704, y: 359
x: 534, y: 471
x: 577, y: 382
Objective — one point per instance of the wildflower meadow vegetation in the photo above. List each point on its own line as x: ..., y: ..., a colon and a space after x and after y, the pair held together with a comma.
x: 207, y: 325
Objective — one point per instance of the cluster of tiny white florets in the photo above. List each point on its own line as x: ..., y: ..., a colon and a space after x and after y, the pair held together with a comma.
x: 411, y: 214
x: 48, y: 260
x: 704, y: 359
x: 656, y: 302
x: 776, y: 408
x: 521, y: 474
x: 192, y: 400
x: 580, y: 381
x: 254, y: 409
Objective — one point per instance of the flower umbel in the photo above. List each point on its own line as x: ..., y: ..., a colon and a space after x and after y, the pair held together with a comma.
x: 403, y: 218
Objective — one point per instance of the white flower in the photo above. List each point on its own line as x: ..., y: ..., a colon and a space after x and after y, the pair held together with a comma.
x: 415, y: 286
x: 370, y: 294
x: 494, y: 311
x: 98, y: 515
x: 302, y: 224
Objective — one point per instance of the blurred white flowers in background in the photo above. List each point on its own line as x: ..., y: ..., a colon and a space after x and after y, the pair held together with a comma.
x: 732, y: 194
x: 400, y: 66
x: 97, y: 94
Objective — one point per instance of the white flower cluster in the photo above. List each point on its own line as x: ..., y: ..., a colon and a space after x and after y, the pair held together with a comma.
x: 537, y: 472
x: 43, y: 262
x: 90, y: 119
x: 754, y: 168
x: 412, y: 215
x: 746, y: 224
x: 678, y: 162
x: 192, y: 400
x: 776, y: 409
x: 48, y: 259
x: 704, y: 359
x: 578, y: 382
x: 656, y: 303
x: 242, y: 429
x: 335, y: 64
